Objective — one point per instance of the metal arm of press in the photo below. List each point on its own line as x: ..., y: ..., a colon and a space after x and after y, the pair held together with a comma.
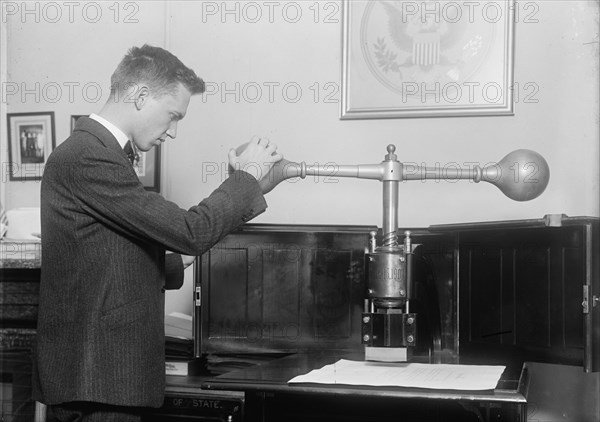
x: 521, y: 175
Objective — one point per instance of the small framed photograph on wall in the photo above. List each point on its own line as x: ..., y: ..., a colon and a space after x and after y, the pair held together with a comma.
x: 31, y: 139
x: 148, y: 169
x: 74, y: 118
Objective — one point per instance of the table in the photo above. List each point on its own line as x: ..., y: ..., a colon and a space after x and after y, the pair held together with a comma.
x: 270, y: 398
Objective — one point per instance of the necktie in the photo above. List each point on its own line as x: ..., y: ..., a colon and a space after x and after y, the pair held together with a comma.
x: 131, y: 153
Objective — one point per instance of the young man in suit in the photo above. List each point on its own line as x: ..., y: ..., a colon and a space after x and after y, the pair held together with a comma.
x: 100, y: 338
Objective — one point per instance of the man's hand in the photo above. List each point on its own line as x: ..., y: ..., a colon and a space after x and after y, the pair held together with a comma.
x: 187, y: 260
x: 257, y: 158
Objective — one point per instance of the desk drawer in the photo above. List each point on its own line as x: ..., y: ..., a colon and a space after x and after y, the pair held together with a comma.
x: 198, y: 407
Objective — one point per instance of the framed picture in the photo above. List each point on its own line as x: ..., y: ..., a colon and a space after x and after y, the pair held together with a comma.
x: 427, y: 59
x: 74, y: 118
x: 148, y: 169
x: 31, y: 139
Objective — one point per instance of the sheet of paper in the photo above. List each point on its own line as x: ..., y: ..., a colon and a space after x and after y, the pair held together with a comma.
x: 179, y: 325
x: 416, y: 375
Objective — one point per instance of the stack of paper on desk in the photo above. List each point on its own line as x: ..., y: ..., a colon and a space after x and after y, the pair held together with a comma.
x: 178, y: 325
x: 178, y: 336
x: 415, y: 375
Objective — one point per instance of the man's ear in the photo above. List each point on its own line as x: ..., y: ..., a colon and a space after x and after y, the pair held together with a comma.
x: 140, y: 96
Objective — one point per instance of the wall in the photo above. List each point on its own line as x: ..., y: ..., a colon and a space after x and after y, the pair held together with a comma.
x: 60, y: 57
x: 558, y: 53
x: 74, y: 47
x: 3, y: 77
x: 79, y: 44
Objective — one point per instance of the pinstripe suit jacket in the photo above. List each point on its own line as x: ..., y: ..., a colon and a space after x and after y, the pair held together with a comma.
x: 100, y: 331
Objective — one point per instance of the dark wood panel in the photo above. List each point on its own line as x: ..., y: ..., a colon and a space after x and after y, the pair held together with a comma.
x: 532, y: 295
x: 19, y: 297
x: 521, y: 293
x: 484, y: 295
x: 281, y: 296
x: 331, y: 288
x: 229, y: 311
x: 572, y: 274
x: 289, y: 289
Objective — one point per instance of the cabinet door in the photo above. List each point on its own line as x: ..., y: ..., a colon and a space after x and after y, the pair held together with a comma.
x: 283, y: 289
x: 527, y: 293
x: 591, y: 299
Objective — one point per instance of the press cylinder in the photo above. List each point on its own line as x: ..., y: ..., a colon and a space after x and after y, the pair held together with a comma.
x: 386, y: 275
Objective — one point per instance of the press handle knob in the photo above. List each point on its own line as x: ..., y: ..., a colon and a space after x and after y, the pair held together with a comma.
x: 521, y: 175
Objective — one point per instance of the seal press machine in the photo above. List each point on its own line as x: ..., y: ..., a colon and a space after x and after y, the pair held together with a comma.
x: 388, y: 324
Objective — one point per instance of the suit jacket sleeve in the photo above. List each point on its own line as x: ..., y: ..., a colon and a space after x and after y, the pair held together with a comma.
x: 173, y: 271
x: 105, y: 186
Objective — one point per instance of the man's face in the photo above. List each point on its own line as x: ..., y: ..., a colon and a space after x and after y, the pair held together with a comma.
x: 158, y: 118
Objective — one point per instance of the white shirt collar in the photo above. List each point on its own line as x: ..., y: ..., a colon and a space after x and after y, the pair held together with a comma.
x: 117, y: 133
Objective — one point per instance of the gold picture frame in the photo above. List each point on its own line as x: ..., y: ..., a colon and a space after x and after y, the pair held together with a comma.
x: 403, y: 59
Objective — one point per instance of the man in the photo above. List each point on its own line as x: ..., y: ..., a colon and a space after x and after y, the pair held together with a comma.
x: 100, y: 341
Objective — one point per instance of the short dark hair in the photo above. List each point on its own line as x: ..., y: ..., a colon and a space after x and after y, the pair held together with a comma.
x: 155, y: 67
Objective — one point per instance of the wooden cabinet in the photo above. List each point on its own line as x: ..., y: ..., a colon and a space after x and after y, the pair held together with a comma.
x: 503, y: 292
x: 19, y: 291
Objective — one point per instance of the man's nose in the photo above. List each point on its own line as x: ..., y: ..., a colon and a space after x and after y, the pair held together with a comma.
x: 172, y: 131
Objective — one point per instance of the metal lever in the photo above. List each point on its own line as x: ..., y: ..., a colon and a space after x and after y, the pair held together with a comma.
x: 521, y: 175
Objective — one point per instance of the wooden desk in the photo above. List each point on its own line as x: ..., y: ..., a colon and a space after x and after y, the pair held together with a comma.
x: 270, y: 398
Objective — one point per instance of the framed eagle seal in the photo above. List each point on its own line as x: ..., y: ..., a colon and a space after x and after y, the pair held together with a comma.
x: 427, y: 58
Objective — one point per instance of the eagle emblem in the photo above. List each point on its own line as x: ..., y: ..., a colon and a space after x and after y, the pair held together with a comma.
x: 425, y: 42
